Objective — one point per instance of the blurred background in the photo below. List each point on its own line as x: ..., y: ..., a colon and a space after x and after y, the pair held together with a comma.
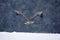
x: 9, y: 21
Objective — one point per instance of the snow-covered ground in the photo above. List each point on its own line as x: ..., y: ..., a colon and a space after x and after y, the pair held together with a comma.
x: 28, y: 36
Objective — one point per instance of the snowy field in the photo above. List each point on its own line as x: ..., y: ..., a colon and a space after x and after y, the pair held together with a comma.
x: 28, y: 36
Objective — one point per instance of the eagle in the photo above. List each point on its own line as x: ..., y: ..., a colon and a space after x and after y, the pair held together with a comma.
x: 29, y: 21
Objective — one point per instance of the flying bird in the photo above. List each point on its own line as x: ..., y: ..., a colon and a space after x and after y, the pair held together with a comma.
x: 29, y: 21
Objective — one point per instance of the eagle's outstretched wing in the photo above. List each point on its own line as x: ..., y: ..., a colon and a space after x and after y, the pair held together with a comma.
x: 37, y: 14
x: 19, y: 13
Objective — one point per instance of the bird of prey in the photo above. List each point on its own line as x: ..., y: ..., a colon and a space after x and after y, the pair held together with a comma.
x: 29, y: 21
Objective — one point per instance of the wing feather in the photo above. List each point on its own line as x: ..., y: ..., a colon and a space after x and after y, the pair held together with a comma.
x: 36, y: 14
x: 19, y: 13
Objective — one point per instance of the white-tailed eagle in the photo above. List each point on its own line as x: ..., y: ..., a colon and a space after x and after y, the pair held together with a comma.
x: 29, y: 21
